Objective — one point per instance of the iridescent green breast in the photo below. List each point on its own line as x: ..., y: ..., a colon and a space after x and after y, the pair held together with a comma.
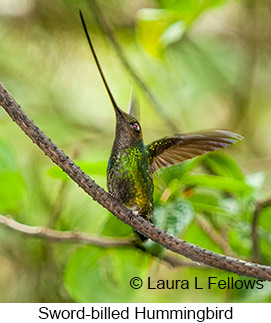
x: 130, y: 181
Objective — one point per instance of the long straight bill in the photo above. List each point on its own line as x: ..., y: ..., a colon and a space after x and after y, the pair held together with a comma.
x: 98, y: 64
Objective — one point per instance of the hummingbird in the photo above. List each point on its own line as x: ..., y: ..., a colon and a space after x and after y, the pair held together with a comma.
x: 132, y: 163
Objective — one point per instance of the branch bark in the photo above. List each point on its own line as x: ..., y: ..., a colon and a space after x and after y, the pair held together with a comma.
x: 146, y: 228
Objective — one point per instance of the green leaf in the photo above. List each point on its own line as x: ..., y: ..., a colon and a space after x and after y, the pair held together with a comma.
x: 190, y: 7
x: 173, y: 33
x: 157, y: 28
x: 57, y: 173
x: 151, y: 25
x: 223, y: 165
x: 240, y: 238
x: 174, y: 218
x: 12, y: 184
x: 218, y: 182
x: 103, y: 275
x: 115, y: 228
x: 7, y: 160
x: 11, y: 191
x: 213, y: 3
x: 208, y: 202
x: 94, y: 168
x: 177, y: 171
x: 179, y: 215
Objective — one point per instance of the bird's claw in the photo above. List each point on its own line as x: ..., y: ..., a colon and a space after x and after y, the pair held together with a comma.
x: 133, y: 213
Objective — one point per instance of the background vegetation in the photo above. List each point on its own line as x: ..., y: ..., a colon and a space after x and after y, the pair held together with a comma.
x: 208, y: 64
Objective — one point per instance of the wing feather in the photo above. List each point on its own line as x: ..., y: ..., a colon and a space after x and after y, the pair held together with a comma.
x: 173, y: 150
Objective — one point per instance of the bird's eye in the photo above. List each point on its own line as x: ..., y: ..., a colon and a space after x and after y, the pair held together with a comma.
x: 136, y: 126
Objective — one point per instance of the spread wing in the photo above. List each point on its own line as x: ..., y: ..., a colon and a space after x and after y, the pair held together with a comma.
x: 173, y: 150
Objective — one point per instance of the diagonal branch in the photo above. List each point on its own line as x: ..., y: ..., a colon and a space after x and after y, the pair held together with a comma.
x: 120, y: 211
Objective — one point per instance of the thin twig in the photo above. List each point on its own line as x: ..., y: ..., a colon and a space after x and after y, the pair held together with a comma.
x: 214, y: 235
x: 84, y: 238
x: 138, y: 223
x: 105, y: 27
x: 242, y: 98
x: 176, y: 262
x: 64, y: 236
x: 254, y: 233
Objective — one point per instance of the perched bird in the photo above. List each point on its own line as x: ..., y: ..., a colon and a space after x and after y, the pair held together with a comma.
x: 132, y: 163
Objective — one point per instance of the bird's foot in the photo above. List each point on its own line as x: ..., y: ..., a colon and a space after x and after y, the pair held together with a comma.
x: 133, y: 213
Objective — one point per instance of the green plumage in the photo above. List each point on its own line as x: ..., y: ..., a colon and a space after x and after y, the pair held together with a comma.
x: 132, y: 164
x: 129, y: 179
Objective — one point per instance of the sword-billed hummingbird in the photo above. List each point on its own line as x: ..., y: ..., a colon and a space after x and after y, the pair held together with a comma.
x: 132, y: 163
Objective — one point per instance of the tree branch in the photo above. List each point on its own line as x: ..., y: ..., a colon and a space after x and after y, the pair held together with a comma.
x: 79, y: 237
x: 64, y: 236
x: 120, y: 211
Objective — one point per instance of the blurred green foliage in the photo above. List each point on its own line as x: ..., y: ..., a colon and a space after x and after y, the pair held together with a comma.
x: 158, y: 28
x: 208, y: 61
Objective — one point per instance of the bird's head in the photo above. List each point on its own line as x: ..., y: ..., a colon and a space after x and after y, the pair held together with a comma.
x: 128, y: 129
